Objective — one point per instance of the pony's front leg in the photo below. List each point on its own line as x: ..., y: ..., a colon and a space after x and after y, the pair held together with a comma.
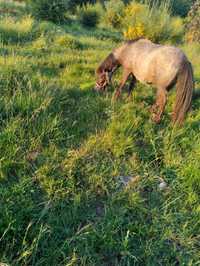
x: 159, y: 107
x: 131, y: 86
x: 125, y: 76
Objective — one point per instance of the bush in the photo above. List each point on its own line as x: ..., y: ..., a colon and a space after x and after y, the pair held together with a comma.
x: 114, y: 13
x: 67, y: 41
x: 72, y: 4
x: 153, y: 22
x: 177, y: 7
x: 193, y: 23
x: 181, y: 7
x: 53, y: 10
x: 89, y: 15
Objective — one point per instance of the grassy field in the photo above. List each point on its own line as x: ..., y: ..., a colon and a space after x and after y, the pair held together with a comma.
x: 63, y: 149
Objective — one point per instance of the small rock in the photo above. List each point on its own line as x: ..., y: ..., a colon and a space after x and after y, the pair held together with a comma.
x: 162, y: 185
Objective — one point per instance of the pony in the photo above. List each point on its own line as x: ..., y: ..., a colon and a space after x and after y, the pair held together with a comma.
x: 161, y: 66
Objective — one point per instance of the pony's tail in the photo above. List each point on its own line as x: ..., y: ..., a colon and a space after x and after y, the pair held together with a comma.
x: 184, y: 93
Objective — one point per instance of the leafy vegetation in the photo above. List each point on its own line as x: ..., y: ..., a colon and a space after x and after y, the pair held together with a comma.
x: 193, y: 23
x: 153, y: 22
x: 114, y: 13
x: 181, y: 7
x: 178, y: 7
x: 89, y: 15
x: 63, y: 149
x: 53, y: 10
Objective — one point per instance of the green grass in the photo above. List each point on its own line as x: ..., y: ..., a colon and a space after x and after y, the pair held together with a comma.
x: 63, y: 147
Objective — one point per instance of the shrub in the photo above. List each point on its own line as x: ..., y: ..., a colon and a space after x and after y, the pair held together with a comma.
x: 89, y: 15
x: 53, y: 10
x: 134, y: 32
x: 46, y: 28
x: 114, y: 13
x: 153, y: 22
x: 67, y: 41
x: 181, y: 7
x: 133, y: 20
x: 193, y: 23
x: 177, y: 7
x: 73, y: 4
x: 40, y: 43
x: 176, y: 29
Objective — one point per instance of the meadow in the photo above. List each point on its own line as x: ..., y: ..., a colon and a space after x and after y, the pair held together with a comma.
x: 63, y: 149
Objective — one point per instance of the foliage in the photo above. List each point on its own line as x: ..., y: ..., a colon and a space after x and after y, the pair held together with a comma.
x: 53, y: 10
x: 67, y: 41
x: 193, y: 23
x: 114, y: 13
x: 181, y: 7
x: 73, y: 4
x: 89, y: 15
x: 153, y: 22
x: 177, y: 7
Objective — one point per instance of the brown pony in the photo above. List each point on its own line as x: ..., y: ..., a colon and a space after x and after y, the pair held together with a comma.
x: 162, y: 66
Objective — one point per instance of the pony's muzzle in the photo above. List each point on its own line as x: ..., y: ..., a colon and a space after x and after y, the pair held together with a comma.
x: 98, y: 88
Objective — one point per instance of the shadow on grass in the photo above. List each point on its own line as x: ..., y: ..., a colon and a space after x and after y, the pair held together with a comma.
x: 83, y: 113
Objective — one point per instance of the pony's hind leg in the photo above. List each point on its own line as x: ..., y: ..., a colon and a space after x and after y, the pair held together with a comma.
x: 159, y: 106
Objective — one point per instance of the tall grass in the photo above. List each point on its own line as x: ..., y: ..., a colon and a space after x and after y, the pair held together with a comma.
x: 16, y: 31
x: 65, y: 150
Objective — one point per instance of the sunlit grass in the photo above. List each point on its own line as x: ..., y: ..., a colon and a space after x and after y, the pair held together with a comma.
x: 63, y: 148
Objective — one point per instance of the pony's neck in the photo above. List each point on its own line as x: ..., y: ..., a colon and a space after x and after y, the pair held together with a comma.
x: 110, y: 64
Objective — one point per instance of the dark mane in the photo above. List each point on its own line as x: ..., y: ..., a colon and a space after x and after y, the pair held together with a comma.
x: 108, y: 64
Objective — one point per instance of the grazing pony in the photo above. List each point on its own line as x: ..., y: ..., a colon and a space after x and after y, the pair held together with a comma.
x: 161, y: 66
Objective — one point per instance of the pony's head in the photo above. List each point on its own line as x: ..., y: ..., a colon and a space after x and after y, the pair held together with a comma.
x: 104, y: 72
x: 103, y: 79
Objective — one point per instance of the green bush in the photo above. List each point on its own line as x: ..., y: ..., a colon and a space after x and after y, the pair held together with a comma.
x: 53, y: 10
x: 67, y: 41
x: 181, y: 7
x: 178, y: 7
x: 193, y: 23
x: 74, y: 3
x: 151, y: 21
x: 114, y: 13
x: 88, y: 15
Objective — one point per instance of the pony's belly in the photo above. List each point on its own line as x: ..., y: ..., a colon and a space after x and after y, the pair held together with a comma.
x: 144, y: 79
x: 144, y: 70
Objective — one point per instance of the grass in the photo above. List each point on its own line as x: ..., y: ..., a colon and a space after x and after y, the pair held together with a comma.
x: 63, y: 148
